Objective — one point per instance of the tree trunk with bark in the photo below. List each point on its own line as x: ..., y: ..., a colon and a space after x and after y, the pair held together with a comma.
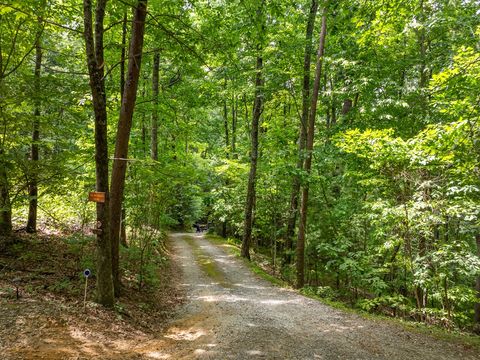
x: 5, y: 205
x: 477, y: 288
x: 154, y: 133
x: 225, y: 119
x: 234, y: 126
x: 302, y: 131
x: 257, y: 112
x: 94, y: 52
x: 123, y: 54
x: 123, y: 135
x: 347, y: 106
x: 34, y: 151
x: 308, y: 160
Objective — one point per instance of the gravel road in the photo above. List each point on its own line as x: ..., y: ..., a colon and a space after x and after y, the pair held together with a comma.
x: 233, y: 314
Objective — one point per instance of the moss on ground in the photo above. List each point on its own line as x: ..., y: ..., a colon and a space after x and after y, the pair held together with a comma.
x: 207, y: 265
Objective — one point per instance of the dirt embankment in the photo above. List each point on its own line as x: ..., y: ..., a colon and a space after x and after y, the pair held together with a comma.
x: 49, y: 321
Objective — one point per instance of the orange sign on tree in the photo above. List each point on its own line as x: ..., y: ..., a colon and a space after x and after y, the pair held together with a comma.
x: 96, y: 196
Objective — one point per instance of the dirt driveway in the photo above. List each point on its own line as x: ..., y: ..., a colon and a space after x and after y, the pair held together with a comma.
x: 232, y: 314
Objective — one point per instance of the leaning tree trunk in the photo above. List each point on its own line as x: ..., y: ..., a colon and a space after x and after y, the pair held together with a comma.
x: 123, y: 135
x: 95, y: 61
x: 308, y: 160
x: 257, y: 111
x: 34, y: 156
x: 292, y: 217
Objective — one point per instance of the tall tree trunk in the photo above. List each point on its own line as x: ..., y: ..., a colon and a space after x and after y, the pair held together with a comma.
x: 302, y: 131
x: 94, y: 51
x: 246, y: 122
x: 123, y: 54
x: 225, y: 118
x: 477, y: 288
x: 333, y: 109
x: 257, y: 112
x: 420, y: 293
x: 123, y: 135
x: 422, y: 44
x: 143, y: 121
x: 5, y: 205
x: 234, y: 126
x: 308, y: 160
x: 34, y: 155
x: 123, y: 229
x: 155, y: 76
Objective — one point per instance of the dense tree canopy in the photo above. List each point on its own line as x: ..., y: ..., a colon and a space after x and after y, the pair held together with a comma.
x: 218, y: 136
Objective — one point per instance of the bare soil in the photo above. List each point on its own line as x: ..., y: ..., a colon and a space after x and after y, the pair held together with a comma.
x: 229, y: 313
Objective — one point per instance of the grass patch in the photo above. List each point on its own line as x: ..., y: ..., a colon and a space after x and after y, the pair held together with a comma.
x: 207, y: 265
x: 453, y: 336
x: 234, y: 249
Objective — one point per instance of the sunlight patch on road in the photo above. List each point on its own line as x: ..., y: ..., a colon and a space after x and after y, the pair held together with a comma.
x: 186, y: 335
x: 157, y: 355
x: 253, y: 287
x: 341, y: 328
x: 224, y: 260
x: 274, y: 302
x: 255, y: 352
x: 224, y: 298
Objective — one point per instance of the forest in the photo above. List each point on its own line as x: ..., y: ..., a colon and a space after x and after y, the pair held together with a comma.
x: 335, y: 142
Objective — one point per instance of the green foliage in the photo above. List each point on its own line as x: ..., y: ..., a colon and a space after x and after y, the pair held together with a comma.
x: 323, y: 292
x: 394, y: 189
x: 64, y: 285
x: 388, y: 302
x: 144, y: 257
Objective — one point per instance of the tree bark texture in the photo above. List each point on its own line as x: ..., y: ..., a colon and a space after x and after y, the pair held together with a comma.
x: 257, y: 112
x: 5, y: 205
x: 347, y: 106
x: 477, y: 286
x: 155, y: 76
x: 300, y: 265
x: 123, y: 229
x: 94, y: 51
x: 302, y: 131
x: 234, y: 126
x: 225, y: 119
x: 123, y: 54
x: 123, y: 135
x: 34, y: 151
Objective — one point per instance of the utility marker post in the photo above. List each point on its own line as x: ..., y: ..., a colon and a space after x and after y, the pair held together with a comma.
x: 86, y: 273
